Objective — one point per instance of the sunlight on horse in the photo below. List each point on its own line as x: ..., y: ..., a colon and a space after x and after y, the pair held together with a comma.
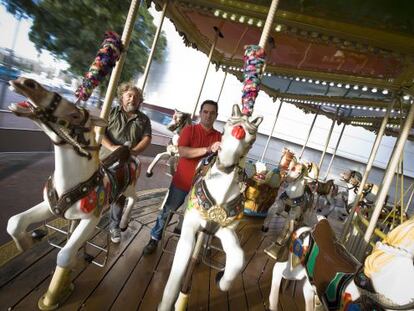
x: 215, y: 205
x: 80, y: 187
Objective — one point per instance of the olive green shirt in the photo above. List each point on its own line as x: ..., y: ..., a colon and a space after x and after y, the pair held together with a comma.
x: 122, y: 129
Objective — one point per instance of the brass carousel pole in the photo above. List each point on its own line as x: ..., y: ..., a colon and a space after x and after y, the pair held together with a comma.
x: 334, y: 153
x: 154, y: 44
x: 210, y: 55
x: 309, y: 133
x: 273, y: 127
x: 389, y: 174
x: 370, y: 162
x: 116, y: 73
x: 328, y: 139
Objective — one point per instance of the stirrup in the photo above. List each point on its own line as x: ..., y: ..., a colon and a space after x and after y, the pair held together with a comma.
x: 71, y: 224
x: 207, y: 258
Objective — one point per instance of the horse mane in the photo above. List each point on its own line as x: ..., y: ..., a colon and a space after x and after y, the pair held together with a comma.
x: 400, y: 237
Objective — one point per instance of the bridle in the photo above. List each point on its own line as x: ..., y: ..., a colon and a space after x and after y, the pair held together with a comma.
x: 69, y: 133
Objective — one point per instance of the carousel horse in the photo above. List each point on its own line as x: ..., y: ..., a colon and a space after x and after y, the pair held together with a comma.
x: 325, y: 189
x: 278, y: 176
x: 215, y: 206
x: 178, y: 122
x: 80, y: 187
x: 262, y: 186
x: 352, y: 180
x: 297, y: 201
x: 319, y: 270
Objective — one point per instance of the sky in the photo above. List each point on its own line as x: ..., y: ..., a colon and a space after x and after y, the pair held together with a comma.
x: 10, y: 27
x: 177, y: 81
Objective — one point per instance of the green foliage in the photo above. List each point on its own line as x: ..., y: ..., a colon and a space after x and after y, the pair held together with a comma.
x: 73, y: 30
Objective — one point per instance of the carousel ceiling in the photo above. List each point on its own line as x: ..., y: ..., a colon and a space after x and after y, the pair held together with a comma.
x: 322, y: 55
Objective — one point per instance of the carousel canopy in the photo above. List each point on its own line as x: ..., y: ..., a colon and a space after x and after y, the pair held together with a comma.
x: 347, y: 59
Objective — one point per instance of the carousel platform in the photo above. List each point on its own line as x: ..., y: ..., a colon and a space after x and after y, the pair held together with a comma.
x: 132, y: 281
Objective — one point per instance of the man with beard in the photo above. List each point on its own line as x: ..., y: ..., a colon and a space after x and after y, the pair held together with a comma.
x: 126, y: 124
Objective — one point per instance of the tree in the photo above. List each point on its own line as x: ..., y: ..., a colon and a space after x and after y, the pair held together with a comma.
x: 73, y: 30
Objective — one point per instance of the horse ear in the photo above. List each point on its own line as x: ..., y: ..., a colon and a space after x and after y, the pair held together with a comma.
x: 256, y: 122
x: 175, y: 110
x: 98, y: 121
x: 236, y: 111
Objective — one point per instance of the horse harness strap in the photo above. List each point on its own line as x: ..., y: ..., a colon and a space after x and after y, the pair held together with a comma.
x: 292, y: 202
x: 222, y: 214
x: 58, y: 206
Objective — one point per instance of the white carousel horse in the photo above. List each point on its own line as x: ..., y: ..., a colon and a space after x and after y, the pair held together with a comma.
x: 178, y: 122
x: 215, y: 205
x: 80, y: 187
x: 297, y: 201
x: 319, y: 267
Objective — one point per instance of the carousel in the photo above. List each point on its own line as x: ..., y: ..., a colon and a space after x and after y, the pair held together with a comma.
x: 255, y: 235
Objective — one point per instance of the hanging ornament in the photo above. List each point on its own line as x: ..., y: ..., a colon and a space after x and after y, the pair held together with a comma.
x: 105, y: 60
x: 254, y: 59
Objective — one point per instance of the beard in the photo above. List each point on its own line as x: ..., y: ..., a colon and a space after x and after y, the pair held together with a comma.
x: 130, y: 107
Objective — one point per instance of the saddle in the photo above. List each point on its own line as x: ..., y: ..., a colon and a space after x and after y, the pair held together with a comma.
x: 120, y: 155
x: 328, y: 261
x: 121, y: 171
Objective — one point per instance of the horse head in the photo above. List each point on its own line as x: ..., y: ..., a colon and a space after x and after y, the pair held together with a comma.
x: 238, y: 137
x: 61, y: 120
x: 352, y: 177
x: 297, y: 171
x: 179, y: 120
x: 286, y: 159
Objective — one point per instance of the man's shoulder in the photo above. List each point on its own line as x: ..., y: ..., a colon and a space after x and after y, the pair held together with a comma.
x: 142, y: 116
x: 115, y: 109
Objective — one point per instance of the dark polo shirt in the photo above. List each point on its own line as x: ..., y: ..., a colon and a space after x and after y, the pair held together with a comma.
x: 121, y: 129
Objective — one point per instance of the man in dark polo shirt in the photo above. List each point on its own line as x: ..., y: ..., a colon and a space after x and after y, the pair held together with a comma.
x: 195, y: 142
x: 125, y: 124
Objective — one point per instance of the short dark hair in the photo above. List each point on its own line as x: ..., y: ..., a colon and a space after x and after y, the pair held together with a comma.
x: 209, y: 102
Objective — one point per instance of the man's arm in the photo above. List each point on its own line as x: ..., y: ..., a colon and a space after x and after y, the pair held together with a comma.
x: 190, y: 152
x: 141, y: 146
x: 108, y: 144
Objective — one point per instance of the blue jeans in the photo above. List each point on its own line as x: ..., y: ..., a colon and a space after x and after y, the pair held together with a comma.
x: 175, y: 199
x: 116, y: 212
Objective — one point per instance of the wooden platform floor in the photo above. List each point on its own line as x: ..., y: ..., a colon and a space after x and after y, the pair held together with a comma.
x: 131, y: 281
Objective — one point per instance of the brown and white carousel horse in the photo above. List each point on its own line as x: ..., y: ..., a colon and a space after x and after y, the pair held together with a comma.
x: 179, y: 121
x: 297, y: 201
x: 320, y: 270
x: 215, y: 205
x: 80, y: 187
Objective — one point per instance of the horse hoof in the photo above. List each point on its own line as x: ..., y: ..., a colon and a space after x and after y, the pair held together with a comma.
x: 265, y: 229
x: 38, y: 234
x: 149, y: 174
x: 219, y: 276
